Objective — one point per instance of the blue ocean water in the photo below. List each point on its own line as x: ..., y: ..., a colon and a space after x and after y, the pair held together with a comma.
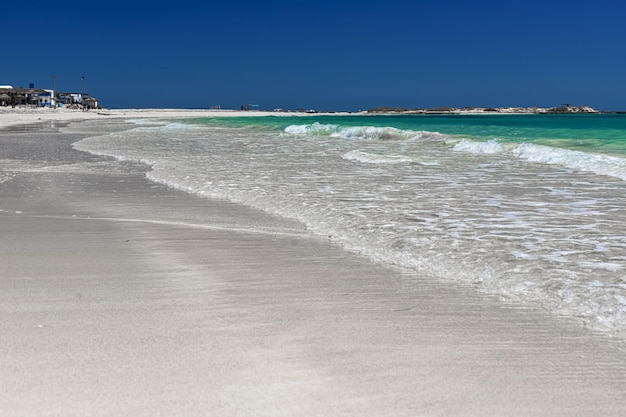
x: 529, y: 207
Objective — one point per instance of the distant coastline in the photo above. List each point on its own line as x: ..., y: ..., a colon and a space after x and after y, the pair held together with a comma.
x: 20, y: 115
x: 382, y: 110
x: 564, y: 109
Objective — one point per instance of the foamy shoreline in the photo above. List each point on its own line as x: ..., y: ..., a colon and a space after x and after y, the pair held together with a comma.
x: 123, y: 297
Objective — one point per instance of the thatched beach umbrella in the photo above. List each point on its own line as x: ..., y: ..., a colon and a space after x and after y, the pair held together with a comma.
x: 4, y: 99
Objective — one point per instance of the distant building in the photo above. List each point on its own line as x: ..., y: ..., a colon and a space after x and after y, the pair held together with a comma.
x: 90, y: 103
x: 25, y: 96
x: 37, y: 97
x: 45, y: 98
x: 5, y: 99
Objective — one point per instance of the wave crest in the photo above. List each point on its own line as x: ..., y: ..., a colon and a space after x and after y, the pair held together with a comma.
x: 311, y: 129
x: 489, y: 147
x: 356, y: 132
x: 612, y: 166
x: 609, y: 165
x: 372, y: 133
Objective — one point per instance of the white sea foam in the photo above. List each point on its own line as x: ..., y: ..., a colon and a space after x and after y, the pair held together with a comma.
x: 358, y: 132
x: 607, y: 266
x: 371, y: 158
x: 4, y: 177
x: 307, y: 129
x: 523, y: 231
x: 372, y: 133
x: 613, y: 166
x: 488, y: 147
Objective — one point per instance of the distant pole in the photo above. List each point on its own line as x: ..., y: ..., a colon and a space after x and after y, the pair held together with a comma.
x: 82, y: 93
x: 52, y: 100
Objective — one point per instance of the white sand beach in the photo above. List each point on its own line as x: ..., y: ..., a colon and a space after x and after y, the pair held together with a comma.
x: 122, y: 297
x: 17, y: 116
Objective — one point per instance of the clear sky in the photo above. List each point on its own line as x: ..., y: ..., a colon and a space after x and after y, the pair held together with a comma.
x: 323, y: 55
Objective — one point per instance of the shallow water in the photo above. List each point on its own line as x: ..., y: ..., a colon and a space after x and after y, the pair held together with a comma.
x: 531, y: 208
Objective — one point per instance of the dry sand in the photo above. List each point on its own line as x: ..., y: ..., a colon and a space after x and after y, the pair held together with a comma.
x: 27, y: 115
x: 120, y: 297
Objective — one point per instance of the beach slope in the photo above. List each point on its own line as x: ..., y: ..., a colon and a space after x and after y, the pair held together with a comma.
x: 121, y: 297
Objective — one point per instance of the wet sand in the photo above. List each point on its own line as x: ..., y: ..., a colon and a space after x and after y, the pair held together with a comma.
x: 121, y: 297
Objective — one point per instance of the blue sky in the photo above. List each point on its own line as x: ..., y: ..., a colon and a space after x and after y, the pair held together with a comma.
x: 323, y: 55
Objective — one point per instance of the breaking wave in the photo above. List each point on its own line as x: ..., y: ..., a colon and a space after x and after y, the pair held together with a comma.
x: 601, y: 164
x: 358, y: 132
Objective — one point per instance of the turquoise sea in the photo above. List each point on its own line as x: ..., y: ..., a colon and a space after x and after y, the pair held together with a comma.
x: 597, y: 132
x: 531, y: 208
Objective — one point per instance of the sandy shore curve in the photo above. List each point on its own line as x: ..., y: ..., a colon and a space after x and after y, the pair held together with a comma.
x: 122, y: 297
